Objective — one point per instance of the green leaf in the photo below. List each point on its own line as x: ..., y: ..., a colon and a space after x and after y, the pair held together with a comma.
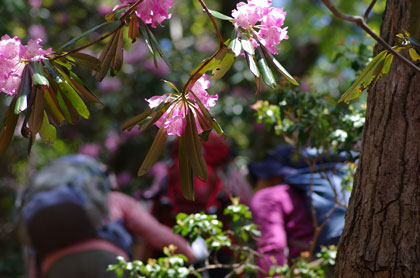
x: 152, y: 43
x: 221, y: 16
x: 74, y: 99
x: 52, y: 71
x: 39, y: 76
x: 84, y: 92
x: 267, y: 74
x: 154, y: 152
x: 24, y: 91
x: 414, y: 55
x: 364, y: 79
x: 247, y: 46
x: 8, y: 127
x: 63, y: 107
x: 47, y: 131
x: 185, y: 171
x: 195, y: 153
x: 222, y: 63
x: 72, y: 41
x: 52, y: 106
x: 252, y: 65
x: 279, y: 67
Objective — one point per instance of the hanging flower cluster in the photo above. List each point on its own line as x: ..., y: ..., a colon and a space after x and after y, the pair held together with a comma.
x: 270, y: 32
x: 174, y: 118
x: 151, y: 12
x: 13, y: 58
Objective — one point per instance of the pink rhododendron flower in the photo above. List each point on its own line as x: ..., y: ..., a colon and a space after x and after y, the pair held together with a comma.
x: 13, y: 58
x: 174, y: 119
x: 258, y: 14
x: 151, y: 12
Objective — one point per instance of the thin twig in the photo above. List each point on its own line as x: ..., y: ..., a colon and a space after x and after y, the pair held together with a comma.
x: 219, y: 36
x: 368, y: 10
x: 359, y: 21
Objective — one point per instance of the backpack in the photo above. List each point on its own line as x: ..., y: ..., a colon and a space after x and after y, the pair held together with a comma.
x: 66, y: 203
x: 324, y: 180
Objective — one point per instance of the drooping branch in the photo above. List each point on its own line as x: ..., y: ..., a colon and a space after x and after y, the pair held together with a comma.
x: 360, y: 21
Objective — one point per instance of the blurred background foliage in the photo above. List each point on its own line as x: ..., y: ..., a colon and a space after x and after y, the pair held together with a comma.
x: 323, y: 52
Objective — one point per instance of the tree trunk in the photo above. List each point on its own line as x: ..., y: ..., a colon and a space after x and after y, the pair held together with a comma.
x: 381, y: 237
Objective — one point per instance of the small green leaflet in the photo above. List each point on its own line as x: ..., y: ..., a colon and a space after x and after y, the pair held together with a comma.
x: 221, y: 16
x: 365, y: 78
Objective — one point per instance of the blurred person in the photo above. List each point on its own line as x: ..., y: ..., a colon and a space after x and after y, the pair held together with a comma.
x: 76, y: 227
x: 286, y: 190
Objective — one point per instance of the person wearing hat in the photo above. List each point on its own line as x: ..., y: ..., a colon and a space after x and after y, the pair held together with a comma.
x: 279, y: 210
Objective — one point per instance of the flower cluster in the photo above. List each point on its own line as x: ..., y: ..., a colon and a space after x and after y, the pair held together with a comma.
x: 270, y: 34
x: 174, y: 119
x: 13, y: 58
x: 151, y: 12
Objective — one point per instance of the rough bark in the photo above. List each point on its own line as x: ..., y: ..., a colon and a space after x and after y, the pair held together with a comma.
x: 381, y: 237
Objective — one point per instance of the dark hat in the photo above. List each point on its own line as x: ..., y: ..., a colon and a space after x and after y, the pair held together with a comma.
x: 278, y: 162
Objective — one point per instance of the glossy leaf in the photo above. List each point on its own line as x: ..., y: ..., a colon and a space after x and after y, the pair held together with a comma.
x: 279, y: 67
x: 221, y: 16
x: 152, y: 43
x: 24, y: 91
x: 156, y: 115
x: 52, y: 106
x: 85, y: 92
x: 364, y: 79
x: 266, y: 73
x: 252, y: 65
x: 39, y: 77
x: 63, y: 107
x: 247, y: 46
x: 185, y: 171
x: 75, y: 99
x: 8, y: 127
x: 52, y: 71
x: 47, y: 131
x: 154, y: 152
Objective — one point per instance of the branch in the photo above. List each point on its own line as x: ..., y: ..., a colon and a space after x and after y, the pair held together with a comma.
x: 359, y: 21
x: 219, y: 36
x: 366, y: 16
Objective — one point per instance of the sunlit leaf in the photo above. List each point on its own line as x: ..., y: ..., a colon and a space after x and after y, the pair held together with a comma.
x: 221, y: 16
x: 107, y: 56
x: 222, y: 63
x: 414, y: 55
x: 267, y: 74
x: 364, y: 79
x: 52, y: 106
x: 47, y: 131
x: 252, y: 65
x: 39, y: 76
x: 247, y: 46
x: 24, y: 91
